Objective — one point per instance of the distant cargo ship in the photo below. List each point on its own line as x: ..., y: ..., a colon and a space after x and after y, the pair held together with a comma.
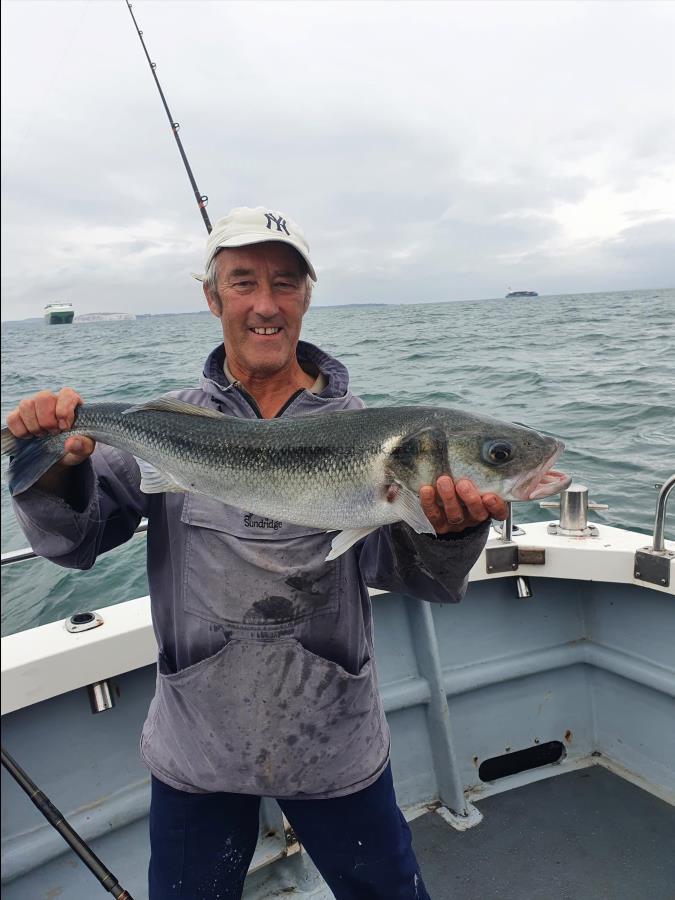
x: 59, y: 313
x: 521, y: 293
x: 105, y: 317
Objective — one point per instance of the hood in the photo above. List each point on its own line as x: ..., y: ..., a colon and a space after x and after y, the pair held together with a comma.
x: 337, y: 376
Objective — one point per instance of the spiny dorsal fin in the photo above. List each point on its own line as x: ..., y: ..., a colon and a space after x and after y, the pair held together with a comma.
x: 167, y: 403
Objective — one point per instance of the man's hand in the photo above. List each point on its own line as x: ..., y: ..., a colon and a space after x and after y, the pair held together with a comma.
x: 453, y: 507
x: 46, y: 413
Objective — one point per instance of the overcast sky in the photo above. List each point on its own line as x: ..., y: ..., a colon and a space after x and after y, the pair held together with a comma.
x: 431, y: 151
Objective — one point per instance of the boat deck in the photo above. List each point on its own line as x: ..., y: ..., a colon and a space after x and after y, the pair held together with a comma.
x: 584, y: 835
x: 473, y: 693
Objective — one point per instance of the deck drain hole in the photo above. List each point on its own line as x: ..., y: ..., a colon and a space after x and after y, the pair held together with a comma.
x: 521, y: 760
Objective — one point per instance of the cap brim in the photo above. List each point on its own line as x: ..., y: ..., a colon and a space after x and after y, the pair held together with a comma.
x: 244, y: 240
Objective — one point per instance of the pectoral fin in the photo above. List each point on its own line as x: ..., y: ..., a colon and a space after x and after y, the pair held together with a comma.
x: 155, y: 482
x: 407, y: 505
x: 418, y: 458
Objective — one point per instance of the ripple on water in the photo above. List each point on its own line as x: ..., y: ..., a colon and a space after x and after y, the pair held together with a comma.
x: 596, y: 370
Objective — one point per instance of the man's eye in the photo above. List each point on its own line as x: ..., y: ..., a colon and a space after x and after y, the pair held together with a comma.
x: 243, y: 283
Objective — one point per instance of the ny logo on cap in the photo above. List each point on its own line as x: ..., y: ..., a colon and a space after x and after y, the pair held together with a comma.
x: 278, y: 221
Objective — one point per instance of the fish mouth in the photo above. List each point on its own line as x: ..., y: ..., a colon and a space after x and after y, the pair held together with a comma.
x: 542, y: 481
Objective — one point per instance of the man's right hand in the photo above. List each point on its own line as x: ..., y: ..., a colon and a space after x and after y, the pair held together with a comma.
x: 46, y: 413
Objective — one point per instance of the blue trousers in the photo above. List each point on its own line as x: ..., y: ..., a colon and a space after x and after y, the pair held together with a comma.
x: 202, y: 844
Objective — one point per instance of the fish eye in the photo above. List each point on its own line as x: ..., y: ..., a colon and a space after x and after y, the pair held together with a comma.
x: 498, y: 451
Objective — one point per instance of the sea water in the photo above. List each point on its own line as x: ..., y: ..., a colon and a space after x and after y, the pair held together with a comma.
x: 596, y: 370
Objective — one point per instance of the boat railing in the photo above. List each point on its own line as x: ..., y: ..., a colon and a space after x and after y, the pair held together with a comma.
x: 17, y: 556
x: 573, y: 505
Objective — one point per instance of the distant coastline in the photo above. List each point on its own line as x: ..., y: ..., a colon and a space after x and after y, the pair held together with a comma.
x: 367, y: 305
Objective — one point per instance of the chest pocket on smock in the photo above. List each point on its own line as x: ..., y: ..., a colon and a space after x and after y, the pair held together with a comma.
x: 251, y: 572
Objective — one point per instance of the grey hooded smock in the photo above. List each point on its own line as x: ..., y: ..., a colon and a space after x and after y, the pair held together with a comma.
x: 266, y: 682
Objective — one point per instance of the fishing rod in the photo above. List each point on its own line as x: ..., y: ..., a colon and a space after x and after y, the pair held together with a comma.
x: 201, y: 199
x: 72, y: 838
x: 41, y: 801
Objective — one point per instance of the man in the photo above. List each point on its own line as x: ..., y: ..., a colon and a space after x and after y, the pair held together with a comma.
x: 266, y: 685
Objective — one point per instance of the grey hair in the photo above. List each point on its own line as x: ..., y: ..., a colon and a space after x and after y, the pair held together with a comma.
x: 210, y: 281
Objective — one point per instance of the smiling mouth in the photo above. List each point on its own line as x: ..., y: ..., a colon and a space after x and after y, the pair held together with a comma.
x: 265, y: 332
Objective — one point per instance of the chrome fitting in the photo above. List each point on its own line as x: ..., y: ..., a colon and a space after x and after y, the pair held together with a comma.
x: 506, y: 529
x: 83, y: 621
x: 100, y: 696
x: 652, y: 564
x: 573, y: 506
x: 523, y: 587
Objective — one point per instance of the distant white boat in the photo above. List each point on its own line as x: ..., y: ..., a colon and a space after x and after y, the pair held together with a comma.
x: 105, y: 317
x: 59, y: 313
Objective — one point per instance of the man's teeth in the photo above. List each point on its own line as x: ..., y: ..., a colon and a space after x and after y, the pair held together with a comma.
x: 266, y: 330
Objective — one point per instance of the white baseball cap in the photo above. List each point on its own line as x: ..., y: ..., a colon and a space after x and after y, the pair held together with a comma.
x: 243, y: 226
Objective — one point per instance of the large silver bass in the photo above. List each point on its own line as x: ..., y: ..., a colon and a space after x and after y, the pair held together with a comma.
x: 349, y: 471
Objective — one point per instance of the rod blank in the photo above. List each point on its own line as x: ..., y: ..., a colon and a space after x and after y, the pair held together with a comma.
x: 71, y: 837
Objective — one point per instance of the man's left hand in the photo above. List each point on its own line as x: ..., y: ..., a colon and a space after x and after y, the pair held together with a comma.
x: 453, y: 507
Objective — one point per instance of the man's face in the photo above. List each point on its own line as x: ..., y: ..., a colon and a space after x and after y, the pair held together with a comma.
x: 260, y: 302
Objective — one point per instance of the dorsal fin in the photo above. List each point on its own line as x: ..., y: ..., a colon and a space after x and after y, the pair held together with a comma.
x: 167, y: 403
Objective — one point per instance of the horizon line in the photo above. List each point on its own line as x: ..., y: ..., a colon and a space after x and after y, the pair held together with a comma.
x: 188, y: 312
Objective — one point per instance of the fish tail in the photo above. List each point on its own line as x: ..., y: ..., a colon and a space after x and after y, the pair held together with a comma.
x: 29, y: 459
x: 9, y: 442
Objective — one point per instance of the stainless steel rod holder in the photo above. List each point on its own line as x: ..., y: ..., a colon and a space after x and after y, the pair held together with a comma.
x: 658, y: 544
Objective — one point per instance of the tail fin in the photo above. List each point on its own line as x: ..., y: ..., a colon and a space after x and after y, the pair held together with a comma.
x: 30, y: 458
x: 9, y: 442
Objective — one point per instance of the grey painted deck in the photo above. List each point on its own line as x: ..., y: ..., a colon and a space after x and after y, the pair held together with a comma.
x: 587, y: 664
x: 586, y: 835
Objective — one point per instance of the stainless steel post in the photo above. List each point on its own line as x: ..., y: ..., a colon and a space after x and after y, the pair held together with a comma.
x: 658, y: 544
x: 574, y: 508
x: 507, y: 532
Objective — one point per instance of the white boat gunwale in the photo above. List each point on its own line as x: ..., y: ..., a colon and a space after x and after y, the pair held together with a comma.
x: 46, y: 661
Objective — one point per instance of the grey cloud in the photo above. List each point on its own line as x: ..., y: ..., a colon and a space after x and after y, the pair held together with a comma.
x: 646, y: 242
x: 425, y: 168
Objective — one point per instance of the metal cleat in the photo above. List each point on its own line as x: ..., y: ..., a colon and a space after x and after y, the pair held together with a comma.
x: 573, y: 506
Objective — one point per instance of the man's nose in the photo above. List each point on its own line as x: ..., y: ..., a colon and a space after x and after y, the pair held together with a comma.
x: 264, y: 302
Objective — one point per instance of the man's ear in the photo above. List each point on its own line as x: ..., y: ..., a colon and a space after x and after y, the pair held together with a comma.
x: 213, y: 301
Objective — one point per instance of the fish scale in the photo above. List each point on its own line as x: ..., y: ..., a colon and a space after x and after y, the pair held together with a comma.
x: 351, y: 471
